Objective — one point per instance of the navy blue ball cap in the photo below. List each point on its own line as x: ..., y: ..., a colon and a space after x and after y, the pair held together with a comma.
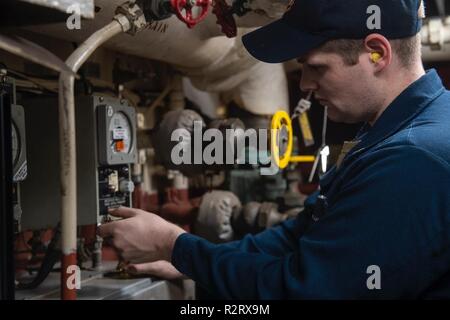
x: 308, y: 24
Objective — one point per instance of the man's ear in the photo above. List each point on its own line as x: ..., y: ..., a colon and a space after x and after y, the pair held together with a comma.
x: 379, y: 51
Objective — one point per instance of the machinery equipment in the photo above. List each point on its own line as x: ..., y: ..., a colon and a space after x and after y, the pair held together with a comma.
x: 19, y: 158
x: 106, y: 146
x: 18, y: 150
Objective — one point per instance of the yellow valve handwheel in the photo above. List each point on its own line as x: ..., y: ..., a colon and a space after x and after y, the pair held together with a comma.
x: 281, y: 139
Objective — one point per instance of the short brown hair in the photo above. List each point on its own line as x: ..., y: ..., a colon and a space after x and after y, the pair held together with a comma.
x: 406, y: 49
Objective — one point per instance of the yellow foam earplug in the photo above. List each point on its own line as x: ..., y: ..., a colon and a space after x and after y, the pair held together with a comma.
x: 375, y: 57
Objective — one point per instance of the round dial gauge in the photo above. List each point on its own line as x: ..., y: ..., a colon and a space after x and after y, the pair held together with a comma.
x: 15, y: 144
x: 120, y: 133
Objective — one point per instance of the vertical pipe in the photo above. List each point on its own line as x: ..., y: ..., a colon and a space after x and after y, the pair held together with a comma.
x: 68, y: 149
x: 68, y: 183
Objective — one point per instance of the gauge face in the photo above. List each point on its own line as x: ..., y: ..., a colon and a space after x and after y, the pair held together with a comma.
x: 15, y: 144
x: 120, y: 133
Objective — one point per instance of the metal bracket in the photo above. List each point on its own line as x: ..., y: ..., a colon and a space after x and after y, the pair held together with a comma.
x: 134, y: 14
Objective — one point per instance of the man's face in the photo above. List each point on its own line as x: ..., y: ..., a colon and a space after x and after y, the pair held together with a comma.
x: 348, y: 91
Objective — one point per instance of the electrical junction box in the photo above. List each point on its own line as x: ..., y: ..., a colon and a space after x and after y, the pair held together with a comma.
x: 106, y: 147
x: 19, y: 146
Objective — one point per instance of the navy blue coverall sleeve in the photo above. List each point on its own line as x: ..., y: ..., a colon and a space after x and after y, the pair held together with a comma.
x: 276, y: 241
x: 392, y: 211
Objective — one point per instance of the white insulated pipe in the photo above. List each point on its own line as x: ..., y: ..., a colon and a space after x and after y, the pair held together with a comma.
x: 436, y: 40
x: 436, y: 31
x: 68, y: 148
x: 212, y: 61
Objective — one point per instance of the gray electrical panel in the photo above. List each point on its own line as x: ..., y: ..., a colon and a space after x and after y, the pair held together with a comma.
x: 18, y: 143
x: 19, y: 154
x: 106, y: 146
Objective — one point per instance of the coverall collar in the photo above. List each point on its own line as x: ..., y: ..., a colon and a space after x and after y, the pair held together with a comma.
x: 402, y: 110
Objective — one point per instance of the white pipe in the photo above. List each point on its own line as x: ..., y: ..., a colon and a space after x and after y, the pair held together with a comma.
x: 264, y: 80
x: 85, y: 50
x: 436, y: 31
x: 176, y: 97
x: 436, y: 40
x: 68, y: 145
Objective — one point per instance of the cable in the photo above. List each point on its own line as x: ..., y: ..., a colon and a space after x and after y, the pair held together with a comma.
x: 52, y: 256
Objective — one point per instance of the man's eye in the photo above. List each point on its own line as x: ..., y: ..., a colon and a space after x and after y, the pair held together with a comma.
x: 314, y: 66
x: 319, y: 68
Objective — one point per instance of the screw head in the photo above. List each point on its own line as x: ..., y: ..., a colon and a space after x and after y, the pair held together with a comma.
x: 110, y: 111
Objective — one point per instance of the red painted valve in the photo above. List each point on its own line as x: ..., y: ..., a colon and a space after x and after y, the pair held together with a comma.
x: 184, y: 10
x: 225, y: 19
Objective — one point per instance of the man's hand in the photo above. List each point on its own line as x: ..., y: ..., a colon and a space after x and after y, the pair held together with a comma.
x: 141, y: 236
x: 161, y: 269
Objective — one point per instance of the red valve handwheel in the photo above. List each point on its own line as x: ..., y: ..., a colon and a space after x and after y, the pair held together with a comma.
x: 187, y: 5
x: 225, y: 19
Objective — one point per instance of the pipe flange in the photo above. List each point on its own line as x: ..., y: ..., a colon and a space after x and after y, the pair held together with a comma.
x: 135, y: 16
x: 123, y: 21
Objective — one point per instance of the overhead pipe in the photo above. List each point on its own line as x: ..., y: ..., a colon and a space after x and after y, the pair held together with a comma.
x: 30, y: 51
x: 212, y: 61
x: 68, y: 147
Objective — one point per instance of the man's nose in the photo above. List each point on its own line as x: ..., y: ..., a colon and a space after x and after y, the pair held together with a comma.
x: 307, y: 83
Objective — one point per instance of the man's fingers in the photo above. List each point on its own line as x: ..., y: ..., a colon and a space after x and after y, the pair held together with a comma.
x: 123, y: 212
x: 160, y: 269
x: 106, y: 230
x: 141, y: 268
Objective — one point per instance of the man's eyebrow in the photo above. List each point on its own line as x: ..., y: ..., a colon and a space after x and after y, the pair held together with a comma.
x: 302, y: 60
